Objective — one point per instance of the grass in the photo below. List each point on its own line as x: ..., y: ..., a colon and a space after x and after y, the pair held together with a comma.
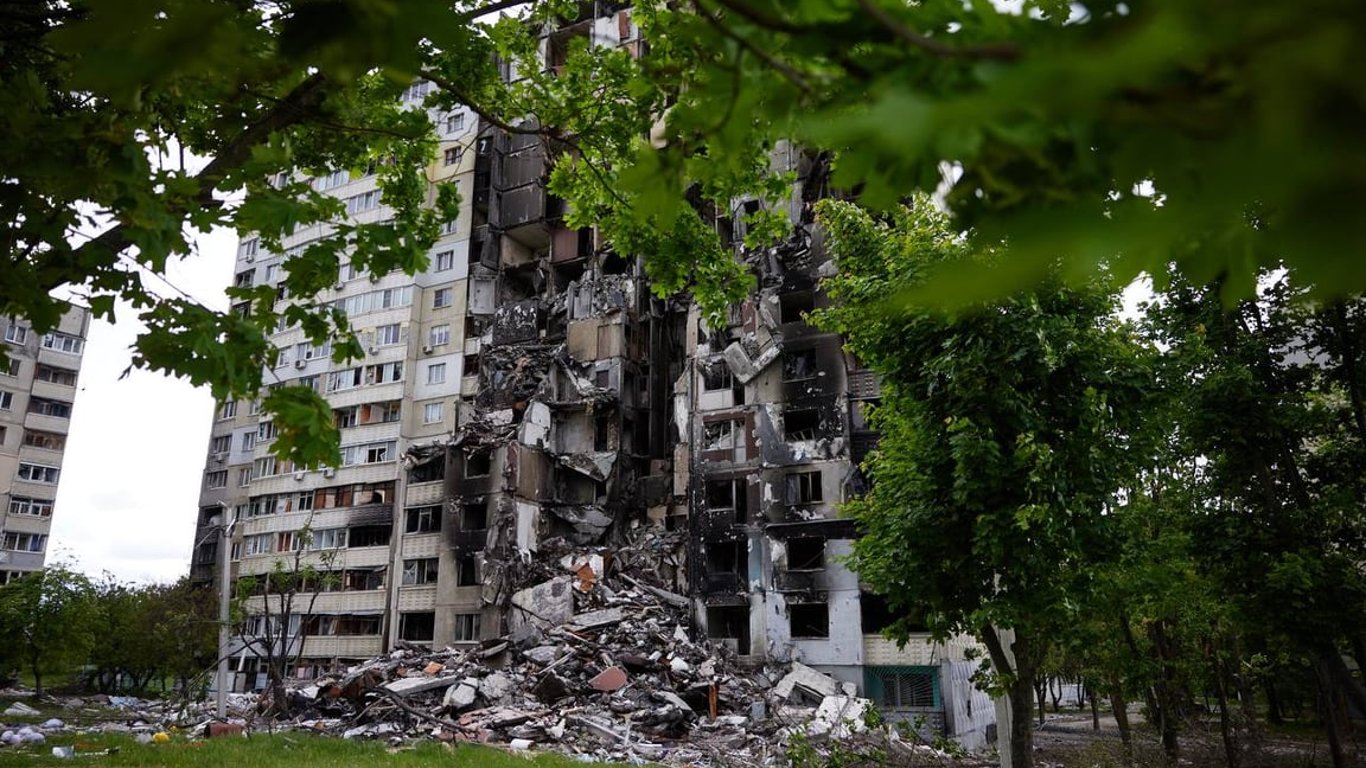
x: 283, y: 750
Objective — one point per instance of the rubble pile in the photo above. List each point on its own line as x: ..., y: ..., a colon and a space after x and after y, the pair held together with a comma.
x: 588, y: 667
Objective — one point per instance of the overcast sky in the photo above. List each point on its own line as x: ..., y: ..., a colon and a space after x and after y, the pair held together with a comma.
x: 131, y: 474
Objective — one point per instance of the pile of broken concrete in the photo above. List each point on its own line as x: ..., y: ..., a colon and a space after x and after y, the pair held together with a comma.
x: 591, y: 669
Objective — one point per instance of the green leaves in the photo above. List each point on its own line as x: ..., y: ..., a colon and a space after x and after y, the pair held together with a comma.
x: 307, y: 433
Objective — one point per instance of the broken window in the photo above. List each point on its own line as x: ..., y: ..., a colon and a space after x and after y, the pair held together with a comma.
x: 471, y: 365
x: 727, y: 558
x: 903, y: 687
x: 716, y: 377
x: 803, y: 488
x: 477, y: 464
x: 800, y: 365
x: 217, y: 479
x: 728, y: 498
x: 474, y: 516
x: 602, y: 433
x: 729, y: 622
x: 368, y: 453
x: 801, y: 424
x: 428, y: 471
x: 806, y: 554
x: 602, y: 378
x: 466, y: 571
x: 362, y: 579
x: 417, y: 627
x: 358, y: 625
x: 466, y: 627
x: 722, y: 435
x: 793, y: 305
x: 421, y: 571
x: 809, y: 620
x: 423, y: 519
x: 370, y: 535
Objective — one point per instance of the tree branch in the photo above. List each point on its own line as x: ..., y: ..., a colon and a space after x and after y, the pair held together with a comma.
x: 931, y: 45
x: 785, y: 69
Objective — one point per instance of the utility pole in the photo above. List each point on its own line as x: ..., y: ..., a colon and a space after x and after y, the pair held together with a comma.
x: 225, y: 565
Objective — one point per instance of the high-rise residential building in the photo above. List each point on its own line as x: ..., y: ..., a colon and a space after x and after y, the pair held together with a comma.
x: 38, y: 374
x: 527, y: 403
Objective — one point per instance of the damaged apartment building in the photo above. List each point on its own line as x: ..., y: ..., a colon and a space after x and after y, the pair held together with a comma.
x: 527, y: 406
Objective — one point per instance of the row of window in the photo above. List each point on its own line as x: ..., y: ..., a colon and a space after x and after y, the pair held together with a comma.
x: 23, y: 542
x: 44, y: 372
x: 21, y: 505
x: 60, y: 342
x: 39, y: 405
x: 333, y: 497
x: 374, y: 301
x: 38, y: 473
x: 381, y: 373
x: 415, y: 627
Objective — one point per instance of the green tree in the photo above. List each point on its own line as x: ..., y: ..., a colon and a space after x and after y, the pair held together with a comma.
x: 48, y: 619
x: 1265, y: 393
x: 1006, y: 430
x: 128, y: 128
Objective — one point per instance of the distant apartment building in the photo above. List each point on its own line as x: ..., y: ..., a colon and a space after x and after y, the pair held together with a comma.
x: 527, y: 399
x: 37, y: 392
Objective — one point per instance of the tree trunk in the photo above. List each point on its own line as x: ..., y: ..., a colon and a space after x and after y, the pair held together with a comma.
x: 1328, y: 712
x: 1165, y: 694
x: 1095, y: 709
x: 1019, y: 693
x: 1056, y: 695
x: 1274, y: 714
x: 1041, y: 693
x: 1120, y: 708
x: 1225, y: 717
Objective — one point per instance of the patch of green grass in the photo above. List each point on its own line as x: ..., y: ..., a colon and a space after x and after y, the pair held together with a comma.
x: 282, y: 750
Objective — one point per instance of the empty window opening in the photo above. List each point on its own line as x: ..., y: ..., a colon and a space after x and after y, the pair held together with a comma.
x: 474, y: 516
x: 809, y: 620
x: 806, y: 554
x: 370, y: 535
x: 800, y: 365
x: 423, y: 519
x: 428, y: 471
x: 602, y: 433
x: 801, y: 424
x: 795, y: 304
x: 803, y: 488
x: 729, y: 498
x: 717, y: 377
x: 417, y: 627
x: 477, y: 464
x: 727, y: 558
x: 361, y: 580
x: 614, y: 263
x: 466, y: 571
x: 729, y: 622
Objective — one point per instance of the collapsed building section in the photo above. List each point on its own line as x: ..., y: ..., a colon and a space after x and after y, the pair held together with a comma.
x: 528, y: 406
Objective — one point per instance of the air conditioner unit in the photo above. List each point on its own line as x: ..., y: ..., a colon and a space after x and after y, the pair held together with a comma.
x: 300, y: 363
x: 426, y: 349
x: 219, y: 458
x: 299, y: 475
x: 329, y: 472
x: 340, y: 285
x: 374, y: 350
x: 374, y: 278
x: 249, y: 258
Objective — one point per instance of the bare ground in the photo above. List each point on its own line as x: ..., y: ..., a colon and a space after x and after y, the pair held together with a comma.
x: 1068, y: 740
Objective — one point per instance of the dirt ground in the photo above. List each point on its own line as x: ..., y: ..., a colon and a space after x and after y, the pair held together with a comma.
x: 1068, y: 740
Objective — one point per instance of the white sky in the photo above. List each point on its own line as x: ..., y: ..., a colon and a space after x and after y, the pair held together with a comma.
x: 131, y: 474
